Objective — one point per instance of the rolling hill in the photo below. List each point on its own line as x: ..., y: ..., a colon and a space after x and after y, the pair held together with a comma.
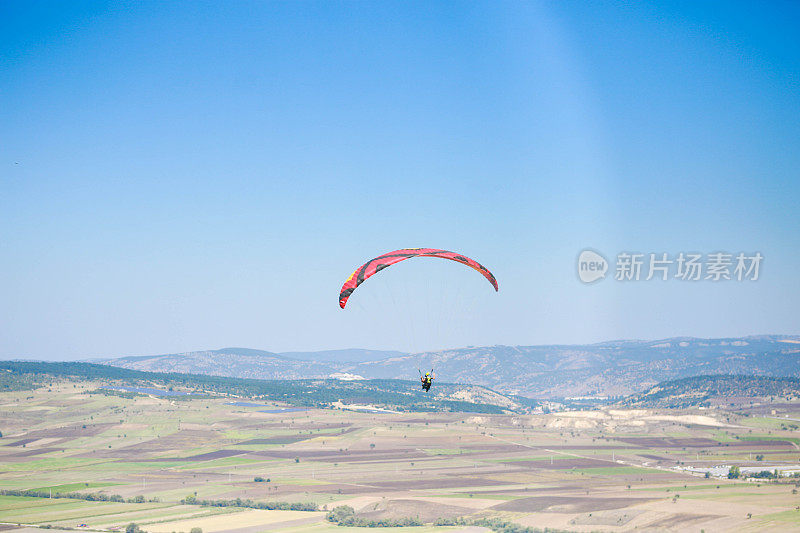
x: 368, y: 395
x: 719, y: 390
x: 614, y: 368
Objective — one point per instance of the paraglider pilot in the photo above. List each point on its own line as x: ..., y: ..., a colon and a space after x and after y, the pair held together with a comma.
x: 427, y: 380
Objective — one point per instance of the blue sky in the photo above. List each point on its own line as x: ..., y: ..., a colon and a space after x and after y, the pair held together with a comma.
x: 180, y: 176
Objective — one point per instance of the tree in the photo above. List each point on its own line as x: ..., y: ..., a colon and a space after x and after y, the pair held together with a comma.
x: 734, y: 472
x: 341, y: 513
x: 132, y: 528
x: 196, y: 530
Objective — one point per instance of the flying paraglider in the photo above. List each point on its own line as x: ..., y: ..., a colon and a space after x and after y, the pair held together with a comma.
x: 427, y: 379
x: 373, y: 266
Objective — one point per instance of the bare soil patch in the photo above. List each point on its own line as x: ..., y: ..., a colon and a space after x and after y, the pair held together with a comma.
x: 376, y: 457
x: 680, y: 520
x: 424, y: 510
x: 587, y: 447
x: 566, y: 464
x: 760, y: 444
x: 332, y: 456
x: 567, y: 504
x: 654, y: 457
x: 617, y: 517
x: 210, y: 456
x: 670, y: 442
x: 183, y: 439
x: 279, y: 439
x: 441, y: 483
x: 72, y: 432
x: 534, y: 490
x: 499, y: 448
x: 37, y: 451
x: 21, y: 442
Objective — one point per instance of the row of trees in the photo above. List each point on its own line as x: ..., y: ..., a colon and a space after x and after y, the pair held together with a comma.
x: 495, y: 524
x: 250, y: 504
x: 91, y: 496
x: 344, y: 515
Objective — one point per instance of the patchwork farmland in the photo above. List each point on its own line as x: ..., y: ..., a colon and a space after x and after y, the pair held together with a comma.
x: 75, y: 457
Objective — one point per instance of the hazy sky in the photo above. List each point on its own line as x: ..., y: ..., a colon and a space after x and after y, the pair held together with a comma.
x: 181, y: 176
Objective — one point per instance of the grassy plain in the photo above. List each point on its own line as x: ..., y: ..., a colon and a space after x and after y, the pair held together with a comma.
x: 611, y: 470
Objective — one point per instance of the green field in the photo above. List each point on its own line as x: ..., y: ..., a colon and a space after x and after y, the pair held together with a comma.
x: 574, y: 472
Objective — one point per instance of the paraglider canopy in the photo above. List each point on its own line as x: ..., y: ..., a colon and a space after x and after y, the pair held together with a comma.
x: 373, y: 266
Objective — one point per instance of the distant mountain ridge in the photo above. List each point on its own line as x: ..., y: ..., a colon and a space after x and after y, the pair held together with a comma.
x: 230, y: 362
x: 612, y: 368
x: 231, y: 351
x: 353, y: 355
